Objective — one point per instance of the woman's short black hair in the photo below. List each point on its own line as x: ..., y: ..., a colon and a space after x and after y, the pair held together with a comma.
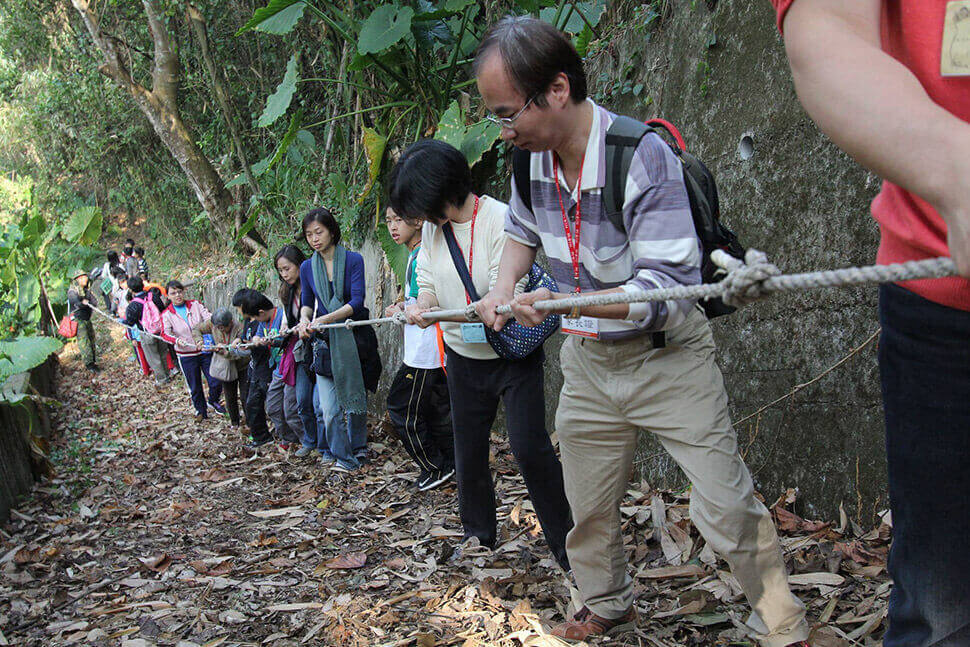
x: 533, y: 53
x: 240, y: 295
x: 324, y: 217
x: 136, y: 285
x: 174, y: 284
x: 429, y: 176
x: 112, y: 256
x: 253, y: 301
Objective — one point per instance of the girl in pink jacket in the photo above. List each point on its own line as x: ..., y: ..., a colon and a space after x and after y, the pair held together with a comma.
x: 177, y: 321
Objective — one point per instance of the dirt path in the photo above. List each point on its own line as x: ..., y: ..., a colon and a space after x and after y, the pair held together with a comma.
x: 160, y: 531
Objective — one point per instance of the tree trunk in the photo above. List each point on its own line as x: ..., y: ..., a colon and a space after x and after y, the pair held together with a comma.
x: 160, y: 106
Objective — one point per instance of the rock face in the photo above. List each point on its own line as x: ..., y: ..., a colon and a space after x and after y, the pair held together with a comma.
x: 721, y: 76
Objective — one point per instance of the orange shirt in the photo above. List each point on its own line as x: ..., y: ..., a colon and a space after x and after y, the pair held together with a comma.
x: 161, y: 288
x: 912, y: 33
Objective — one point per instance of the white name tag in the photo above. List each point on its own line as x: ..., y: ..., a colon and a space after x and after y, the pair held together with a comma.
x: 473, y: 333
x: 582, y: 326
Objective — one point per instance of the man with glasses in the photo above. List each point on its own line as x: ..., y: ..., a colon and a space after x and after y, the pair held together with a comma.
x: 627, y: 367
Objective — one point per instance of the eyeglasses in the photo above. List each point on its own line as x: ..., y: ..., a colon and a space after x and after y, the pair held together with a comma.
x: 509, y: 122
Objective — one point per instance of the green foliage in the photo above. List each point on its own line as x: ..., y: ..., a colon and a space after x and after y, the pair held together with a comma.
x: 473, y: 140
x: 386, y: 26
x: 84, y: 226
x: 25, y: 353
x: 284, y: 21
x: 374, y: 145
x: 278, y: 102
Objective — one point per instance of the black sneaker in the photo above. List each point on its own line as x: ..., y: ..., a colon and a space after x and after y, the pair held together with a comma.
x: 256, y: 444
x: 423, y: 478
x: 437, y: 479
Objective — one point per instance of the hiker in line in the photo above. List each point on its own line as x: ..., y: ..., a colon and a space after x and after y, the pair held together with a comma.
x: 418, y: 401
x: 144, y: 313
x: 79, y: 299
x: 287, y: 262
x: 228, y: 365
x: 130, y: 262
x: 282, y: 405
x: 884, y: 80
x: 108, y: 272
x: 432, y: 181
x: 139, y: 254
x: 332, y: 290
x: 119, y: 291
x: 178, y: 320
x: 621, y: 375
x: 265, y: 322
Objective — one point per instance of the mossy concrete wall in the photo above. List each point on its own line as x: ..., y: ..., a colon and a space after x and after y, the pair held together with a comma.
x: 18, y: 421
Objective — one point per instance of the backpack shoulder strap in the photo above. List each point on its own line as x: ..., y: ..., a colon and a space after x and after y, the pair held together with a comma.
x: 459, y: 260
x: 622, y: 139
x: 522, y: 172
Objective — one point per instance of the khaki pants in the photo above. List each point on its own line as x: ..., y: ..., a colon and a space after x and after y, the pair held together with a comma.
x: 155, y: 352
x: 611, y: 391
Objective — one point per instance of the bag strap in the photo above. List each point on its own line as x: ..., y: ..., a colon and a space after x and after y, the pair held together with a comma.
x: 622, y: 138
x: 522, y: 172
x: 459, y: 260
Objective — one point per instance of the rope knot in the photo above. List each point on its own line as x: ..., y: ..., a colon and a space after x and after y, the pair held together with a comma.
x: 399, y: 318
x: 745, y: 279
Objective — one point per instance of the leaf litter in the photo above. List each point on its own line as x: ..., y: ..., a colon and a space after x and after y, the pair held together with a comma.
x: 160, y: 531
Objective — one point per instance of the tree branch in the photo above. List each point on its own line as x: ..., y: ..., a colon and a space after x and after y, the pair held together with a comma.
x: 165, y: 70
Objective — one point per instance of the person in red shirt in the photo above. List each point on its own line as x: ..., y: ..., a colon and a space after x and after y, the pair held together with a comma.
x: 889, y: 82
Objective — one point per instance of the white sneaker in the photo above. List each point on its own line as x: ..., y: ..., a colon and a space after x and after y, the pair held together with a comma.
x: 436, y: 479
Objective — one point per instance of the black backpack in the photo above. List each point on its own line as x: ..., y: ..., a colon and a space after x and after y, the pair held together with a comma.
x: 622, y: 139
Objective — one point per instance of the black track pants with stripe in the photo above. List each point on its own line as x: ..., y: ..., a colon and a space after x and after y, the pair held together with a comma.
x: 420, y: 411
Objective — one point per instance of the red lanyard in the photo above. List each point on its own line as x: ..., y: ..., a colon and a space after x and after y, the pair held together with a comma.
x: 471, y: 248
x: 571, y: 242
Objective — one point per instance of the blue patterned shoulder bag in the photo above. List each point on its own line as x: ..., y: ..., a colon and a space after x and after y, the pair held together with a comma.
x: 514, y: 341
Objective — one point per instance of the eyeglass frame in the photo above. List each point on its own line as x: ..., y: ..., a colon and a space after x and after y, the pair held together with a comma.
x: 509, y: 122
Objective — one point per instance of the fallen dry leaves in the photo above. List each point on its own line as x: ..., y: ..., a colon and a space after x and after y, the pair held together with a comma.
x: 158, y: 531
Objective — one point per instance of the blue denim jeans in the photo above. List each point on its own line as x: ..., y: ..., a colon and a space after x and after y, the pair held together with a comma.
x: 924, y: 361
x: 339, y: 425
x: 309, y: 409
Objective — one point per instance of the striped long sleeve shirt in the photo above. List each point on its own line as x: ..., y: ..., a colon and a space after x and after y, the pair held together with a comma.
x: 659, y: 247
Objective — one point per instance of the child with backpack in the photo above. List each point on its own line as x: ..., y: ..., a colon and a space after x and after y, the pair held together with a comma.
x: 144, y: 313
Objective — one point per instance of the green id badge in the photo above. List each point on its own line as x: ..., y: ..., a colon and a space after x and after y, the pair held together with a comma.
x: 473, y: 333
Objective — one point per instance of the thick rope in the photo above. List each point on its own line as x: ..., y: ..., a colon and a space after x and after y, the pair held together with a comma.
x: 744, y: 282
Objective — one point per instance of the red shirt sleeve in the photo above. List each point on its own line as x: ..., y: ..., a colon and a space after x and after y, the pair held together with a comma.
x: 781, y: 8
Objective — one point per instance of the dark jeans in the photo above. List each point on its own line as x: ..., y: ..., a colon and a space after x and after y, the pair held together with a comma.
x: 234, y: 390
x: 307, y: 405
x: 256, y: 410
x: 194, y: 367
x: 475, y: 386
x: 924, y: 359
x: 420, y: 410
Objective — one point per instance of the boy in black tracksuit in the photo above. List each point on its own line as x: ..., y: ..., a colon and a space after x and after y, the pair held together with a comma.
x: 418, y: 402
x: 262, y: 360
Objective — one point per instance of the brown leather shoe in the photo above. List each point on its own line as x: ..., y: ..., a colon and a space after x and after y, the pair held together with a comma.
x: 586, y: 624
